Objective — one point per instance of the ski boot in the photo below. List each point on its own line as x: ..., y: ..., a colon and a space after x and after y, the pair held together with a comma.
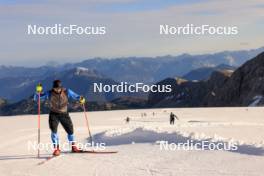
x: 75, y: 149
x: 56, y: 151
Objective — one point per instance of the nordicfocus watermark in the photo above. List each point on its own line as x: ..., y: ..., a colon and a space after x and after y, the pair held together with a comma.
x: 191, y: 29
x: 59, y: 29
x: 124, y: 87
x: 33, y: 145
x: 198, y: 145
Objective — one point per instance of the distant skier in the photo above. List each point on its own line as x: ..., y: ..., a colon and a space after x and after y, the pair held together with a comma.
x: 127, y: 120
x: 172, y: 118
x: 58, y: 103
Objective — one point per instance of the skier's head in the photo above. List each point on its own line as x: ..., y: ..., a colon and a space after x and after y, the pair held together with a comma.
x: 57, y: 84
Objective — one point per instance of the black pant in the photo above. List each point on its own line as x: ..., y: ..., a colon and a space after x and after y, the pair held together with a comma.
x: 171, y: 121
x: 64, y: 119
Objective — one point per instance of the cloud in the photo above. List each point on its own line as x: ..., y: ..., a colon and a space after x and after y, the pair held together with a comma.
x: 132, y: 27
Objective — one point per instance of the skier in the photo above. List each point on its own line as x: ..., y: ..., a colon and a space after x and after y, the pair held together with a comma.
x: 127, y: 120
x: 58, y: 103
x: 172, y: 118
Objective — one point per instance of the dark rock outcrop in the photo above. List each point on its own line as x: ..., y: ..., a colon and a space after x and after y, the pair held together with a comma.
x: 205, y: 72
x: 188, y: 93
x: 3, y: 102
x: 184, y: 94
x: 245, y: 84
x: 243, y: 87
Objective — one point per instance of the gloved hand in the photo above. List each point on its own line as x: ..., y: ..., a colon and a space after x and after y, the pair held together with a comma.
x: 82, y: 100
x: 39, y: 88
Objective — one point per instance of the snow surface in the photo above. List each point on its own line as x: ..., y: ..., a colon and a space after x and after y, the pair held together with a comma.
x: 137, y: 143
x: 81, y: 70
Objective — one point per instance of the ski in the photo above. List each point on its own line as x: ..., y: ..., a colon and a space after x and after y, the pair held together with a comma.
x: 83, y: 151
x: 92, y: 152
x: 98, y: 152
x: 47, y: 159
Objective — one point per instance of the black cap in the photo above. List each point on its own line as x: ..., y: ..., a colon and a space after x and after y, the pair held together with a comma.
x: 57, y: 84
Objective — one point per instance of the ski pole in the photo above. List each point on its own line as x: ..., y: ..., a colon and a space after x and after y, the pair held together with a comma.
x: 38, y: 123
x: 39, y: 90
x: 87, y: 123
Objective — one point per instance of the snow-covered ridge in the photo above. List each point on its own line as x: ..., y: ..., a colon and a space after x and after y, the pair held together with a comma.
x: 133, y: 134
x: 80, y: 70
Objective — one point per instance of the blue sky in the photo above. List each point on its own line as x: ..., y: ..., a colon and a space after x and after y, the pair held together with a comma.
x: 132, y: 28
x: 144, y: 5
x: 138, y: 3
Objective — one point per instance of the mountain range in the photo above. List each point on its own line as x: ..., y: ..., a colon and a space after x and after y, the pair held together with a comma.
x: 204, y: 73
x: 79, y: 79
x: 242, y: 87
x: 17, y: 83
x: 153, y: 69
x: 210, y: 86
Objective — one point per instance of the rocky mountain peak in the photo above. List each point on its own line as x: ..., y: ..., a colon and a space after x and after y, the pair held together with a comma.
x: 82, y: 71
x: 180, y: 81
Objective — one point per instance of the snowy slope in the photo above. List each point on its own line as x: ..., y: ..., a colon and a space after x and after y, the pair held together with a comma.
x: 137, y: 143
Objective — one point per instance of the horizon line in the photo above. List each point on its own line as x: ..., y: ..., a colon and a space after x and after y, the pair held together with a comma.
x: 58, y: 64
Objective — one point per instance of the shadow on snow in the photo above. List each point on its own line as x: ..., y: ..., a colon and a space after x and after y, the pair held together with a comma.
x: 140, y: 135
